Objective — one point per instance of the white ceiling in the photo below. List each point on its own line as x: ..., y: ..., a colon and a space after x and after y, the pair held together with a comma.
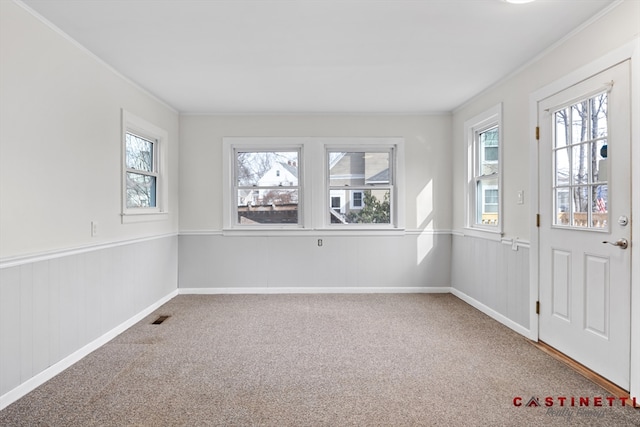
x: 316, y: 56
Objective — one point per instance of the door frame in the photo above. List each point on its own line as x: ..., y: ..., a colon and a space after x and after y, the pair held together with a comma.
x: 629, y: 51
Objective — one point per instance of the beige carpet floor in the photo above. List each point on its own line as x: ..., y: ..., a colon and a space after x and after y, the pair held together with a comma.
x: 315, y: 360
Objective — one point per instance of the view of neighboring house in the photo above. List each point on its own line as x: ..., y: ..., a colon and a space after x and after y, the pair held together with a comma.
x: 275, y: 198
x: 353, y: 176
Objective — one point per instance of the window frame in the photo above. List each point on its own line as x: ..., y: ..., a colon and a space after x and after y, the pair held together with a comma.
x: 313, y: 183
x: 233, y: 145
x: 136, y: 126
x: 379, y: 147
x: 475, y: 202
x: 236, y: 187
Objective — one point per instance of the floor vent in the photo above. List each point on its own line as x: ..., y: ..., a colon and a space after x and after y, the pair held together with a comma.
x: 159, y: 320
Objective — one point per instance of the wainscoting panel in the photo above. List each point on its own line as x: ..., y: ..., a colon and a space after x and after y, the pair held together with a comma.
x: 417, y: 259
x: 493, y: 275
x: 54, y: 305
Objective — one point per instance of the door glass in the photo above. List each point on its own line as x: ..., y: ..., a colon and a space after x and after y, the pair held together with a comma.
x: 580, y: 156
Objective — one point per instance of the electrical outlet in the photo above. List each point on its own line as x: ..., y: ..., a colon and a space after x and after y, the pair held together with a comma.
x: 94, y: 228
x: 319, y: 242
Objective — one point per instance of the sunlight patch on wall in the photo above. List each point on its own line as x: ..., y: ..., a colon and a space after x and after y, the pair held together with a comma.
x: 424, y: 207
x: 425, y: 245
x: 424, y: 219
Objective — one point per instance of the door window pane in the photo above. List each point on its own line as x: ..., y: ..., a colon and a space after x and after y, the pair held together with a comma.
x: 599, y: 209
x: 579, y: 122
x: 581, y: 175
x: 580, y: 167
x: 599, y: 123
x: 562, y: 206
x: 562, y: 167
x: 562, y: 128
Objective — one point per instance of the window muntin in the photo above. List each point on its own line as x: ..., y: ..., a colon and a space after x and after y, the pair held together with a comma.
x: 267, y: 187
x: 364, y: 180
x: 484, y: 193
x: 580, y: 152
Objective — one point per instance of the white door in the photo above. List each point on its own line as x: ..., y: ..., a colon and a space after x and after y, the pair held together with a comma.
x: 585, y: 223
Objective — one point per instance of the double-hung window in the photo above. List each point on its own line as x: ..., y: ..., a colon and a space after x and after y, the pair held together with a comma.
x: 484, y: 192
x: 362, y: 179
x: 144, y: 186
x: 267, y: 187
x: 312, y: 183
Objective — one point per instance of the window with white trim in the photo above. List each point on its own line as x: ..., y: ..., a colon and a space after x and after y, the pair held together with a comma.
x: 144, y: 187
x: 266, y: 186
x: 484, y: 195
x: 364, y: 177
x: 312, y: 183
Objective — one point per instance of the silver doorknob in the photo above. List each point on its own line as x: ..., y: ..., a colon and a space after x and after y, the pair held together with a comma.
x: 622, y: 243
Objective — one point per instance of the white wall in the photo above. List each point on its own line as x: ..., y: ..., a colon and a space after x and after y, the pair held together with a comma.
x: 427, y: 159
x: 616, y: 28
x: 62, y: 290
x: 210, y: 259
x: 60, y: 142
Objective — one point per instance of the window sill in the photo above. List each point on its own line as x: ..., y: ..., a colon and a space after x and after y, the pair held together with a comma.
x: 132, y: 218
x: 352, y: 231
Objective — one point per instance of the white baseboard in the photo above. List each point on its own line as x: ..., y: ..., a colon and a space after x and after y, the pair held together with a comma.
x: 492, y: 313
x: 316, y: 290
x: 44, y: 376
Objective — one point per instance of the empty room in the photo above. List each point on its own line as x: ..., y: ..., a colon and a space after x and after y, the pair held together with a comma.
x: 319, y: 212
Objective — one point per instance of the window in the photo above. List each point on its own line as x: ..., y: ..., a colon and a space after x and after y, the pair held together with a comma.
x: 336, y: 203
x: 267, y: 187
x: 356, y: 200
x: 141, y: 171
x: 580, y: 181
x: 144, y: 187
x: 312, y: 183
x: 365, y: 179
x: 484, y: 170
